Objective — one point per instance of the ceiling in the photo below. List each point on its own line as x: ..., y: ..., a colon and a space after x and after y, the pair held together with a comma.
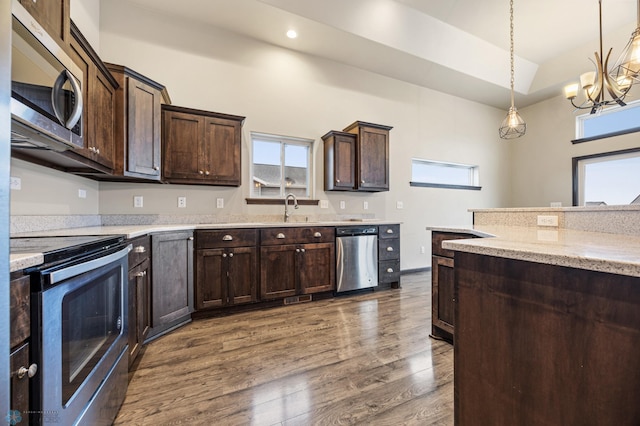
x: 459, y: 47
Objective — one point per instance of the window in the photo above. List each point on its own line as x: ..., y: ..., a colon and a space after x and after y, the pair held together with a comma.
x: 444, y: 175
x: 611, y: 178
x: 609, y: 122
x: 280, y: 165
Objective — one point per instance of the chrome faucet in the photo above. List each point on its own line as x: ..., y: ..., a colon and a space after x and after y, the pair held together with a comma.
x: 286, y: 205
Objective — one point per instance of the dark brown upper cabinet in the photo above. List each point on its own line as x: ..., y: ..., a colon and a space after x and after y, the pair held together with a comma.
x: 52, y: 15
x: 201, y: 147
x: 137, y: 127
x: 357, y: 159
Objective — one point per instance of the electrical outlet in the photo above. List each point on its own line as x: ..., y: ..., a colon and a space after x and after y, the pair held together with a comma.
x: 556, y: 204
x: 342, y: 205
x: 16, y: 183
x: 219, y: 203
x: 182, y: 202
x: 550, y: 220
x: 399, y: 205
x: 137, y: 201
x: 365, y: 205
x: 422, y: 251
x: 82, y: 193
x: 324, y: 204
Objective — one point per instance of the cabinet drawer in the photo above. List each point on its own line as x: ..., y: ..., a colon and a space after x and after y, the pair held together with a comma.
x: 226, y: 238
x: 19, y: 310
x: 388, y: 231
x: 297, y: 235
x: 388, y: 249
x: 438, y: 237
x: 141, y: 248
x: 389, y: 271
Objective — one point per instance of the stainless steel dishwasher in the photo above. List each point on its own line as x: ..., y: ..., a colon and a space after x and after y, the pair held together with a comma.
x: 356, y: 258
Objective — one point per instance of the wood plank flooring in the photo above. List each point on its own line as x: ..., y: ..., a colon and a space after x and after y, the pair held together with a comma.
x: 360, y: 359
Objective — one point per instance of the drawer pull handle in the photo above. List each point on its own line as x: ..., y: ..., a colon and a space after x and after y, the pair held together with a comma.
x: 389, y: 248
x: 141, y: 274
x: 389, y: 231
x: 140, y: 249
x: 317, y: 235
x: 280, y: 236
x: 227, y: 238
x: 390, y: 270
x: 31, y: 371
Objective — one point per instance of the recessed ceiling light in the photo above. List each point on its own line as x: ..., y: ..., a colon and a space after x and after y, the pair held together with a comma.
x: 292, y: 34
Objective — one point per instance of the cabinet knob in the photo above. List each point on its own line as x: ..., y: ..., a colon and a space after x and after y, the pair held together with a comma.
x: 362, y: 181
x: 224, y: 254
x: 280, y: 236
x: 31, y: 371
x: 97, y: 150
x: 297, y: 250
x: 389, y: 248
x: 337, y: 180
x: 140, y: 249
x: 156, y: 168
x: 141, y: 274
x: 207, y: 172
x: 190, y: 238
x: 227, y: 238
x: 302, y: 250
x: 230, y: 254
x: 389, y: 231
x: 317, y: 235
x: 200, y: 172
x: 389, y: 270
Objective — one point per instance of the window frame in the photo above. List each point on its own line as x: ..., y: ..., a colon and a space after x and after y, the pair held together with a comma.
x: 283, y: 141
x: 582, y: 118
x: 474, y: 175
x: 578, y: 170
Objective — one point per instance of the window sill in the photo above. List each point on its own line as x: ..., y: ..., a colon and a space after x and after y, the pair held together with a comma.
x: 280, y: 201
x: 445, y: 186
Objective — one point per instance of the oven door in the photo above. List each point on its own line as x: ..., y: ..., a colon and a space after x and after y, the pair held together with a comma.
x: 83, y: 336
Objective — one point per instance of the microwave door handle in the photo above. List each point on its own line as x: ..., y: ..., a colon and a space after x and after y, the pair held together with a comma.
x: 55, y: 92
x: 77, y: 108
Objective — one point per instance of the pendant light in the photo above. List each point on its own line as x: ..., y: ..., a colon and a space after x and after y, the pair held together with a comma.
x: 513, y: 126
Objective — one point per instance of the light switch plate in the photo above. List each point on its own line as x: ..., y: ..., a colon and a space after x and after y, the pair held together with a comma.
x: 343, y: 205
x: 399, y: 205
x: 82, y: 193
x: 16, y: 183
x: 365, y: 205
x: 324, y: 204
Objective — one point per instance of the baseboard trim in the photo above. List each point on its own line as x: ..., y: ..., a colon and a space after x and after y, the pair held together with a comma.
x: 412, y: 271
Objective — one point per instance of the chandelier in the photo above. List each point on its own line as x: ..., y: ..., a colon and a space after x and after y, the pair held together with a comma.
x: 616, y: 82
x: 513, y: 126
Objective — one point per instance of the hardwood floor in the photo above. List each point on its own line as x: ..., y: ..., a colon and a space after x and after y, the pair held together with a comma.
x: 364, y: 359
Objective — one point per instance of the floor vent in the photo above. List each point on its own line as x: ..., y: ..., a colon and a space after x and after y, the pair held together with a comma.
x: 297, y: 299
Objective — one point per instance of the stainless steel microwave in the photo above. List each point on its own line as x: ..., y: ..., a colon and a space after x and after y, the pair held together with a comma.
x: 46, y: 89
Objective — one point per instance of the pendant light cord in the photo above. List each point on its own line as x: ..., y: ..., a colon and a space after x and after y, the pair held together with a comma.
x: 511, y: 49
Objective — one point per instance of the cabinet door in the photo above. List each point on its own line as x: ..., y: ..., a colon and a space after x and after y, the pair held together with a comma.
x: 181, y: 140
x: 373, y: 159
x: 442, y: 295
x: 277, y: 271
x: 102, y: 114
x: 143, y: 132
x: 221, y: 149
x: 211, y: 278
x: 20, y: 385
x: 316, y: 267
x: 172, y: 282
x: 345, y: 162
x: 242, y: 275
x: 139, y: 308
x: 52, y: 15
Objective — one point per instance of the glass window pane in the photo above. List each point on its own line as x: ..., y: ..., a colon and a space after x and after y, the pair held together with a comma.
x: 267, y: 171
x: 424, y: 171
x: 609, y: 121
x: 296, y: 176
x: 613, y: 180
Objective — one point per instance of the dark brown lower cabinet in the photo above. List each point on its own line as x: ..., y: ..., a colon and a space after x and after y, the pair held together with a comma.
x: 139, y: 307
x: 19, y: 361
x: 540, y: 344
x: 171, y: 280
x: 294, y: 269
x: 225, y: 277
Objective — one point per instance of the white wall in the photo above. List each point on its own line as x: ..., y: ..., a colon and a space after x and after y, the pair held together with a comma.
x: 86, y: 15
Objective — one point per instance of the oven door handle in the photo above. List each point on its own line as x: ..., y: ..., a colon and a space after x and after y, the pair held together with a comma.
x: 72, y: 271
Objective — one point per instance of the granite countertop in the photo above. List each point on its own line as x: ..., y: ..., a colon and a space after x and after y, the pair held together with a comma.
x: 26, y: 260
x: 595, y: 251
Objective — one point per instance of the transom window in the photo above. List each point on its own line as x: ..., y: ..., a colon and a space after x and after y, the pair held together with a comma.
x: 444, y: 175
x: 280, y: 165
x: 611, y: 121
x: 610, y: 178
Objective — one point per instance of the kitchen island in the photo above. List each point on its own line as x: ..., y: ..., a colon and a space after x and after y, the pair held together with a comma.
x: 547, y: 326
